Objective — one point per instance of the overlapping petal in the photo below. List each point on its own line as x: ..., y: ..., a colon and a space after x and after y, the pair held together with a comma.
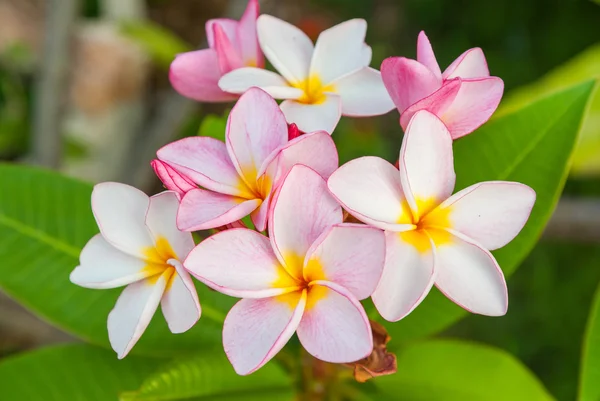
x: 437, y: 103
x: 247, y: 36
x: 470, y: 64
x: 228, y: 53
x: 363, y: 93
x: 314, y: 117
x: 426, y: 56
x: 172, y: 179
x: 179, y: 303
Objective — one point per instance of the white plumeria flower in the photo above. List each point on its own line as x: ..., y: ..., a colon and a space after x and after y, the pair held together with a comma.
x: 318, y: 83
x: 432, y: 236
x: 139, y: 246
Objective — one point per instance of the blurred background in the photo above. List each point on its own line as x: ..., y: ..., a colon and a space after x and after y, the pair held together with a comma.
x: 84, y: 89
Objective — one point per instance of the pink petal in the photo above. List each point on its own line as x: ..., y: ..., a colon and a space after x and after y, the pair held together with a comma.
x: 408, y: 81
x: 363, y: 94
x: 260, y: 215
x: 491, y: 213
x: 201, y: 210
x: 426, y: 163
x: 161, y: 220
x: 196, y: 75
x: 120, y: 211
x: 239, y: 262
x: 407, y: 277
x: 470, y: 64
x: 206, y: 162
x: 247, y: 36
x: 470, y: 276
x: 286, y: 47
x: 474, y: 104
x: 255, y: 330
x: 228, y: 55
x: 350, y: 255
x: 426, y: 56
x: 314, y: 117
x: 104, y: 266
x: 171, y: 179
x: 255, y: 128
x: 179, y: 303
x: 133, y: 312
x: 242, y: 79
x: 301, y: 210
x: 436, y: 103
x: 228, y: 25
x: 293, y: 131
x: 339, y: 51
x: 369, y: 188
x: 335, y: 327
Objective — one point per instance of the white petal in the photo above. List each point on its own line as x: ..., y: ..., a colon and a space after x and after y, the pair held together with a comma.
x: 242, y: 79
x: 314, y: 117
x: 179, y: 303
x: 363, y: 94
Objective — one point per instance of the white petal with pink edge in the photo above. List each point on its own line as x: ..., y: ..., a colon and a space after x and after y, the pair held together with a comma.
x: 363, y: 93
x: 255, y: 330
x: 242, y: 79
x: 470, y: 64
x: 179, y: 303
x: 426, y: 56
x: 314, y: 117
x: 470, y: 276
x: 335, y: 327
x: 437, y: 103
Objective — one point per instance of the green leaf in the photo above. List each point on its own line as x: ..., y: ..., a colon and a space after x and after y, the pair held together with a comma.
x: 45, y: 220
x: 533, y: 146
x: 214, y: 126
x: 589, y: 385
x: 71, y: 372
x: 451, y: 370
x: 160, y: 43
x: 209, y: 376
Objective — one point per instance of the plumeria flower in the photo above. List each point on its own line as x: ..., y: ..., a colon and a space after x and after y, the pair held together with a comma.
x: 464, y: 96
x: 239, y: 176
x: 432, y: 236
x: 319, y: 83
x: 232, y: 44
x: 140, y: 247
x: 307, y: 277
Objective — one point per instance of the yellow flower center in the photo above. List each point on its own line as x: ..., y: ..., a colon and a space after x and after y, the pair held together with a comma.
x: 428, y: 223
x: 298, y: 279
x: 314, y: 90
x: 157, y: 262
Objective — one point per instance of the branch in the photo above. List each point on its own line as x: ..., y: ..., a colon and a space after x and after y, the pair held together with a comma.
x: 576, y: 220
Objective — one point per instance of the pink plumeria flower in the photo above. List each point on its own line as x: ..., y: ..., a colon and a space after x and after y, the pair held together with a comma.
x: 232, y: 44
x: 139, y: 246
x: 319, y: 83
x: 307, y: 277
x: 433, y: 237
x: 240, y: 175
x: 464, y: 96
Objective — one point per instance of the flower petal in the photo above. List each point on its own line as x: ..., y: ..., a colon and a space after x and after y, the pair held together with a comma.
x: 242, y: 79
x: 201, y: 210
x: 474, y: 104
x: 179, y: 303
x: 340, y: 51
x: 133, y: 312
x: 408, y: 81
x: 436, y: 103
x: 206, y: 162
x: 171, y: 179
x: 247, y: 36
x: 255, y: 128
x: 408, y: 274
x: 285, y: 46
x: 196, y: 75
x: 369, y: 188
x: 470, y: 276
x: 314, y: 117
x: 239, y: 262
x: 350, y: 255
x: 426, y: 163
x: 363, y: 94
x: 491, y: 213
x: 228, y: 53
x: 120, y: 211
x: 260, y: 215
x: 301, y: 210
x: 161, y: 220
x: 426, y: 56
x: 228, y: 25
x: 335, y: 327
x: 103, y: 266
x: 470, y: 64
x: 255, y: 330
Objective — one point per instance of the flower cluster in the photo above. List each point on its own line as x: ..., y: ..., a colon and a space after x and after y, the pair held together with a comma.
x: 298, y: 267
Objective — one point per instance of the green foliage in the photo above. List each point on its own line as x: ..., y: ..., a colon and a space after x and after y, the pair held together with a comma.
x: 533, y: 146
x: 71, y: 372
x: 45, y: 220
x: 209, y: 376
x: 451, y: 370
x: 589, y: 385
x: 214, y: 126
x: 160, y: 43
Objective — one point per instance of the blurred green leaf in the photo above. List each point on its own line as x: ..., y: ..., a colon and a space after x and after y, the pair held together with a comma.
x: 160, y: 43
x: 45, y: 220
x: 209, y: 376
x: 589, y: 383
x: 533, y: 146
x: 214, y: 126
x: 451, y: 370
x: 585, y: 66
x: 71, y: 372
